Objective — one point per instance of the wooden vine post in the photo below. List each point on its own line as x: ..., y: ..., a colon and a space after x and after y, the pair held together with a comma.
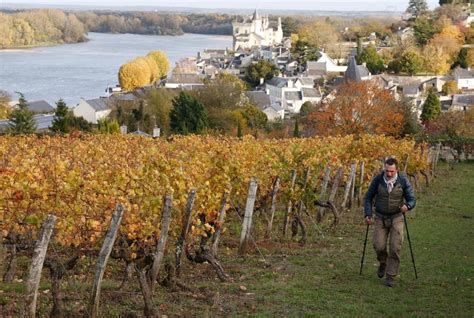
x: 184, y: 230
x: 247, y: 223
x: 276, y: 187
x: 299, y: 217
x: 290, y: 204
x: 160, y: 247
x: 347, y: 191
x: 322, y: 196
x: 36, y: 265
x: 361, y: 183
x: 217, y: 234
x: 103, y: 259
x: 332, y: 196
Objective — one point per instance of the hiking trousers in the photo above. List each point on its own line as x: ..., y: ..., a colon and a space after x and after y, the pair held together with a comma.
x: 389, y: 228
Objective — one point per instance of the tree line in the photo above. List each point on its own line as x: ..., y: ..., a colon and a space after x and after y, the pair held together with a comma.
x: 52, y: 26
x: 39, y: 27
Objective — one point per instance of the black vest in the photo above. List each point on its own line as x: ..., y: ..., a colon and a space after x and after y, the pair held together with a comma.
x: 388, y: 203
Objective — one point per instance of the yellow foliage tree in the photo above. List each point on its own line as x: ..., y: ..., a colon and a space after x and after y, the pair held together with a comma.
x: 320, y: 34
x: 162, y: 61
x: 154, y: 69
x: 134, y: 74
x: 436, y: 59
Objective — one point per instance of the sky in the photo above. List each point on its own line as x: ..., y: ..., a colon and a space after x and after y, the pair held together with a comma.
x: 333, y: 5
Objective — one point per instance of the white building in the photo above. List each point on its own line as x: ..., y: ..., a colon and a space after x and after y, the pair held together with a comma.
x: 324, y: 65
x: 256, y: 31
x: 93, y: 109
x: 292, y: 92
x: 464, y: 78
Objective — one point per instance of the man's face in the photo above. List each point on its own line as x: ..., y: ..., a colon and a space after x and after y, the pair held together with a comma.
x: 390, y: 171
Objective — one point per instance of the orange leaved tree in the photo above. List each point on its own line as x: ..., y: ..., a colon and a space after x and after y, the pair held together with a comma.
x: 357, y: 108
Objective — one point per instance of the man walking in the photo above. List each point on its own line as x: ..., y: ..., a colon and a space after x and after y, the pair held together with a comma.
x: 392, y: 195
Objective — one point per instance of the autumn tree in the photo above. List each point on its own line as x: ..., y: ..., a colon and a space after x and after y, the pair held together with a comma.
x: 455, y: 129
x: 431, y: 107
x: 320, y: 34
x: 452, y: 11
x: 222, y: 97
x: 162, y: 62
x: 134, y: 74
x: 254, y: 117
x: 21, y: 119
x: 4, y: 104
x: 443, y: 49
x: 188, y: 115
x: 450, y: 87
x: 358, y: 108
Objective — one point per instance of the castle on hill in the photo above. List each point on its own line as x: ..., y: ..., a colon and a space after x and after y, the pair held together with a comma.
x: 254, y: 31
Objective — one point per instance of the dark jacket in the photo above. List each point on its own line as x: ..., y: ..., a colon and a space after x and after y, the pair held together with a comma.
x: 388, y: 204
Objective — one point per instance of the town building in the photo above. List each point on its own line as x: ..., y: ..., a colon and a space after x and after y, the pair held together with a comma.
x: 256, y: 31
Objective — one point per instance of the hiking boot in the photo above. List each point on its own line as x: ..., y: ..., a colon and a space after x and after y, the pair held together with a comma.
x: 381, y: 270
x: 390, y: 281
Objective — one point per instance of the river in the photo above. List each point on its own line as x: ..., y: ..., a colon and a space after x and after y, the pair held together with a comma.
x: 72, y: 71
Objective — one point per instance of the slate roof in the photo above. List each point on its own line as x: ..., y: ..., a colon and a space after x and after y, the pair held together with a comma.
x: 310, y: 92
x: 315, y: 66
x: 293, y: 96
x: 463, y: 73
x: 355, y: 72
x: 278, y: 82
x: 306, y: 81
x: 185, y: 79
x: 40, y: 106
x: 463, y: 99
x: 410, y: 89
x: 98, y: 104
x: 43, y: 122
x: 259, y: 99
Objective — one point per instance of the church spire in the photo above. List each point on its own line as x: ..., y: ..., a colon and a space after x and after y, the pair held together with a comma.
x: 255, y: 15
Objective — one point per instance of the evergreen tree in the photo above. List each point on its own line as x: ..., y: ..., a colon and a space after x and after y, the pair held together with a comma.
x: 431, y: 107
x: 423, y: 29
x: 188, y: 115
x: 239, y: 130
x: 373, y: 61
x: 411, y: 125
x: 461, y: 59
x: 61, y: 118
x: 417, y: 7
x: 21, y: 119
x: 296, y: 131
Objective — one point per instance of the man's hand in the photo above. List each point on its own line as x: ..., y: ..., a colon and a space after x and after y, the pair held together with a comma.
x: 368, y: 220
x: 404, y: 209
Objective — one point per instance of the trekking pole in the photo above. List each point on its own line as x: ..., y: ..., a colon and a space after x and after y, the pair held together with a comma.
x: 363, y: 252
x: 409, y: 243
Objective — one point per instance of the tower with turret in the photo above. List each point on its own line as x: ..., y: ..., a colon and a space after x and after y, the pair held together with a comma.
x: 255, y: 30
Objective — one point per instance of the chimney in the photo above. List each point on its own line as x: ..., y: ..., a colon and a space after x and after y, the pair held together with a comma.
x: 156, y: 132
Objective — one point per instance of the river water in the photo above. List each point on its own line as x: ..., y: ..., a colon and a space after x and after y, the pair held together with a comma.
x: 72, y: 71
